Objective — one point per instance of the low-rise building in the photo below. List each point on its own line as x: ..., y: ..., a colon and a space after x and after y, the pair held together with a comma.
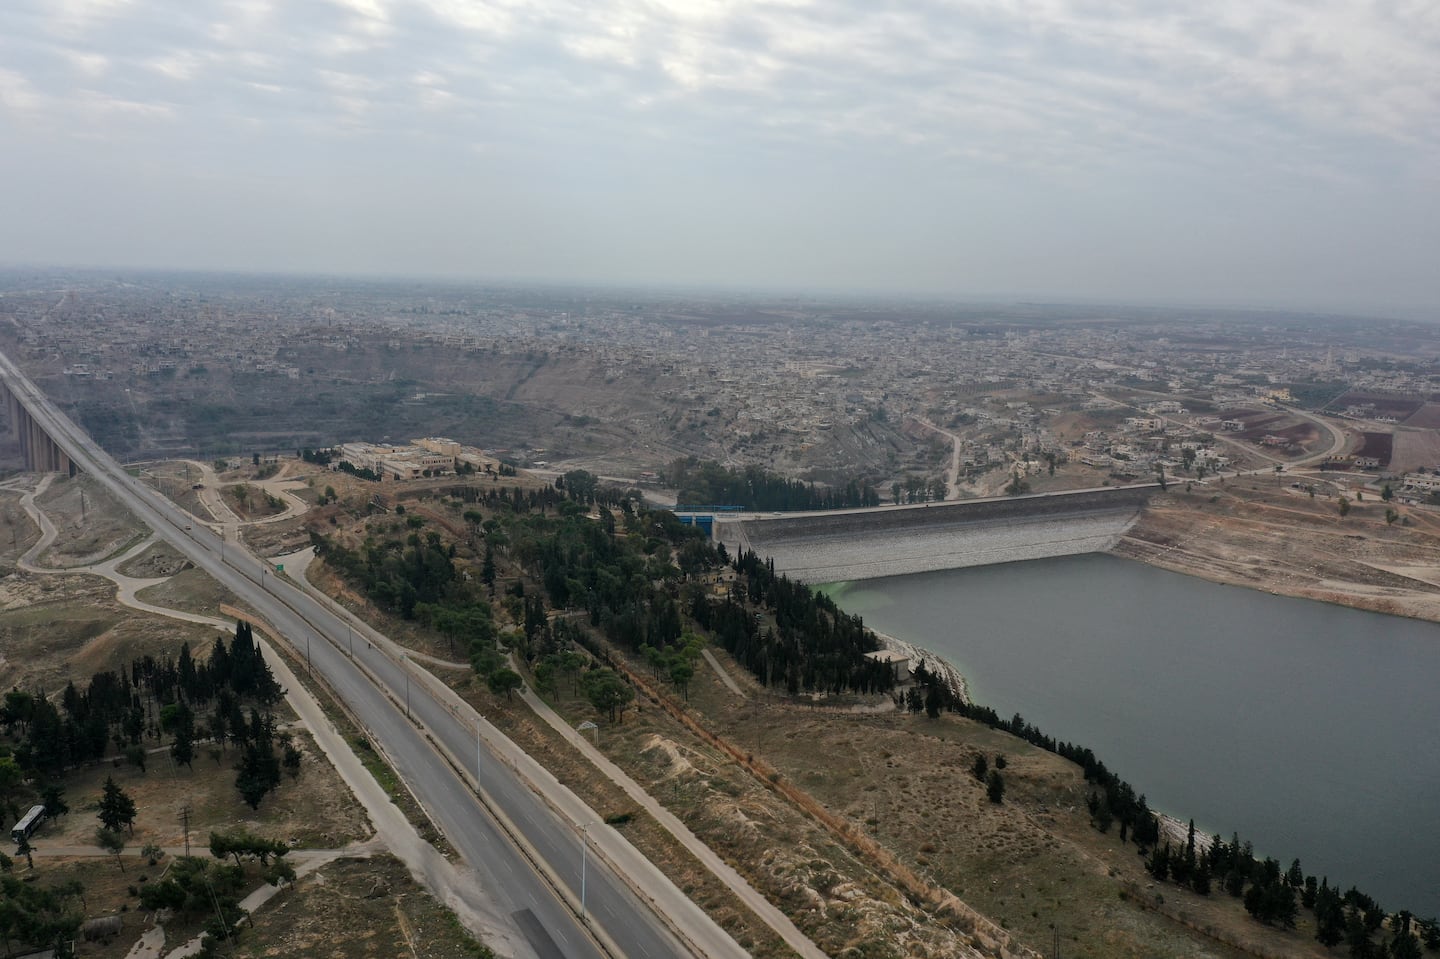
x: 401, y: 462
x: 899, y: 662
x: 439, y: 445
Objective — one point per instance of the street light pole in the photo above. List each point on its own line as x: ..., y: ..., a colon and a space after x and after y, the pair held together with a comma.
x: 405, y: 668
x: 307, y: 654
x: 584, y: 854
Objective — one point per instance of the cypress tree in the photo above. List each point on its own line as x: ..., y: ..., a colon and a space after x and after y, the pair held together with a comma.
x: 995, y: 787
x: 116, y: 808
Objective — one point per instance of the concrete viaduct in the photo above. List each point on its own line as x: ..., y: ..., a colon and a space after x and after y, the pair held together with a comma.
x: 38, y: 452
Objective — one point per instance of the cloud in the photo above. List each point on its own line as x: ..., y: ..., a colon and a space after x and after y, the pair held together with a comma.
x: 177, y: 66
x: 1041, y: 76
x: 16, y: 93
x: 68, y: 16
x: 966, y: 102
x: 87, y: 63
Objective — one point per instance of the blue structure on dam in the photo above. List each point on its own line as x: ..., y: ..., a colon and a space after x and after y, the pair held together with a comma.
x: 704, y: 516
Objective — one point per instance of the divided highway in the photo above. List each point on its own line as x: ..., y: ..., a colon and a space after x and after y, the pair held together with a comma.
x: 510, y: 882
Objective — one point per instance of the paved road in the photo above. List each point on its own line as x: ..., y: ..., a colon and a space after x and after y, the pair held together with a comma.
x: 755, y: 516
x: 507, y: 876
x: 1337, y: 437
x: 454, y: 886
x: 746, y: 893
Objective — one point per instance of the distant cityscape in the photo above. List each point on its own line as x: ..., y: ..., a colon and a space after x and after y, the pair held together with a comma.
x: 627, y: 381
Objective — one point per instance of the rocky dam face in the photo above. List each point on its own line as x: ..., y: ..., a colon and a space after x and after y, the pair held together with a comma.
x: 892, y: 541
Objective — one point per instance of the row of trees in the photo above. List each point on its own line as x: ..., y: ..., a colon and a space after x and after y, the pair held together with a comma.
x: 1268, y: 894
x: 707, y: 482
x: 118, y: 709
x: 418, y: 579
x: 399, y: 575
x: 505, y: 497
x: 632, y: 588
x: 630, y: 581
x: 812, y: 646
x: 917, y: 489
x: 186, y: 699
x: 359, y: 472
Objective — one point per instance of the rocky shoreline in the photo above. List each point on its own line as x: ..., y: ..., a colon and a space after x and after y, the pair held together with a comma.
x: 935, y: 664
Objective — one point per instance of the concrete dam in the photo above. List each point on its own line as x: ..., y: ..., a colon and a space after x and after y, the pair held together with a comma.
x: 823, y: 547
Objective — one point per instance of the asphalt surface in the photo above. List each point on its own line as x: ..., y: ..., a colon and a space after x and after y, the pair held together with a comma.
x: 507, y: 877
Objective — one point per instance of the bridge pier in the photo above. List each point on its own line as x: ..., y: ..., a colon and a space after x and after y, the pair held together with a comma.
x: 38, y: 452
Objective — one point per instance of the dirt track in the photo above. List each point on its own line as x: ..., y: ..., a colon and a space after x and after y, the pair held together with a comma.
x: 1283, y: 542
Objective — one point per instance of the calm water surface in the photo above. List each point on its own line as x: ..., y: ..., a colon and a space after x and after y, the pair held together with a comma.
x: 1313, y: 730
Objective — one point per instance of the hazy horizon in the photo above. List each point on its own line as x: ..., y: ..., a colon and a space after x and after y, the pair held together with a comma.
x: 1240, y: 155
x: 758, y: 294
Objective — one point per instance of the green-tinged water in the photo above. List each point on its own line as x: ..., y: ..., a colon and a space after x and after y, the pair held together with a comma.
x: 1308, y: 728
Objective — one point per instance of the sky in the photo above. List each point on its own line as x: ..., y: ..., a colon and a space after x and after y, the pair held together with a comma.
x: 1233, y: 152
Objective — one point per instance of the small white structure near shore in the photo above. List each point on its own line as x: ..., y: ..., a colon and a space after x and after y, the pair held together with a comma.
x: 899, y: 662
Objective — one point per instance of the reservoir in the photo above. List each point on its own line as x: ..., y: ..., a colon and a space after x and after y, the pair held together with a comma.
x: 1312, y: 730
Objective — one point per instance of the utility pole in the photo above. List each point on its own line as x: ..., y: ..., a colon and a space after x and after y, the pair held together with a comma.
x: 185, y: 824
x: 219, y: 916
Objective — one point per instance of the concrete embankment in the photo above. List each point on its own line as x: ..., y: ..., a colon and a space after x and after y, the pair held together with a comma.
x: 865, y: 544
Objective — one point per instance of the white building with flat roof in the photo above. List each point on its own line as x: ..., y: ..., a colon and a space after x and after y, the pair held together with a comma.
x: 401, y: 462
x: 898, y: 662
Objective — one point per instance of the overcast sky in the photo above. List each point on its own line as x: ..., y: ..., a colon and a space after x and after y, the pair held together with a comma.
x: 1248, y: 152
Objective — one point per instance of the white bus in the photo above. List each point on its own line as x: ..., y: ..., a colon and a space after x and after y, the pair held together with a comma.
x: 30, y: 822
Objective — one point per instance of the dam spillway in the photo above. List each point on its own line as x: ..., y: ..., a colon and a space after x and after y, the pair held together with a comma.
x: 866, y: 544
